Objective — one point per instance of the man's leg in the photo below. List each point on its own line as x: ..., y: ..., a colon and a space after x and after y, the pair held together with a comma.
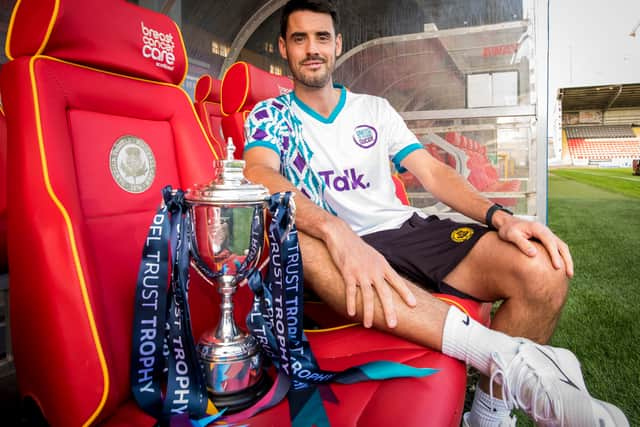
x: 533, y: 293
x: 422, y: 324
x: 425, y: 324
x: 532, y: 290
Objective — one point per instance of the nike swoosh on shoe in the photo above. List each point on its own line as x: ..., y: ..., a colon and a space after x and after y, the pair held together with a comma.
x: 566, y: 378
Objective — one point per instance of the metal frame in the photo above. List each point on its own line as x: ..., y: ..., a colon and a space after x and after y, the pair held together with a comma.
x: 247, y: 31
x: 541, y: 80
x: 536, y: 13
x: 430, y: 35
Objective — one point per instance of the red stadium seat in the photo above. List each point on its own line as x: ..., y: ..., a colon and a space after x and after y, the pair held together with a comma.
x: 97, y: 125
x: 207, y: 104
x: 244, y: 85
x: 482, y: 174
x: 604, y: 149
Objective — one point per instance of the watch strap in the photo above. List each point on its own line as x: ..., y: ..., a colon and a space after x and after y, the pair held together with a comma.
x: 488, y: 219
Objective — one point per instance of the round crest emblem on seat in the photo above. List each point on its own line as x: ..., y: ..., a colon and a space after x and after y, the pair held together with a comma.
x: 132, y: 164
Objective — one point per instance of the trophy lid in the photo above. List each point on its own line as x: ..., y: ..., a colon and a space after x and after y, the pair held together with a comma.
x: 229, y: 185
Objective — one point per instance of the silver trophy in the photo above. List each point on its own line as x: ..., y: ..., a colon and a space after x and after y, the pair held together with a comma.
x: 223, y: 214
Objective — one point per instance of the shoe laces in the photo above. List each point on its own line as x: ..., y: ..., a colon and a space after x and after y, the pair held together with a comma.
x: 523, y: 387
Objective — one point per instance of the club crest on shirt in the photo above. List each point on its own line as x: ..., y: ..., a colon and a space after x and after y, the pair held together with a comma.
x: 365, y: 136
x: 132, y: 164
x: 461, y: 234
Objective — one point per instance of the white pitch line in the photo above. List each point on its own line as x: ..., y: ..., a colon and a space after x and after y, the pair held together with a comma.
x: 607, y: 176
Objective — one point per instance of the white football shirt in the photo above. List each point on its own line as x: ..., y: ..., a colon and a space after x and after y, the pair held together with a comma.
x: 347, y: 153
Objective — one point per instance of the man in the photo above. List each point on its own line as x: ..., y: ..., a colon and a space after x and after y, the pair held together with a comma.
x: 332, y: 147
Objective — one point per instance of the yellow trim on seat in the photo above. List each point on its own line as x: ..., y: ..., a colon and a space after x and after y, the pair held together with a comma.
x: 45, y: 40
x: 111, y: 73
x: 74, y: 248
x: 246, y: 91
x: 67, y: 219
x: 208, y: 90
x: 349, y: 325
x: 335, y: 328
x: 184, y: 51
x: 246, y: 87
x: 455, y: 303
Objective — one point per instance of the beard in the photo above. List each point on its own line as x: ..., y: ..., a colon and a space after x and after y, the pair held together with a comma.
x: 317, y: 79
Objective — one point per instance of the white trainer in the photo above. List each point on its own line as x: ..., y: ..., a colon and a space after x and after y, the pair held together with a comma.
x: 546, y: 382
x: 510, y: 421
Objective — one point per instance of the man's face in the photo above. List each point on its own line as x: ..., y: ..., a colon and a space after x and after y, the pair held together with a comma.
x: 311, y: 48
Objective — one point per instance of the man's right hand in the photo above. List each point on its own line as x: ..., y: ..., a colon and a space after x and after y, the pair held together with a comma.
x: 361, y: 265
x: 364, y: 267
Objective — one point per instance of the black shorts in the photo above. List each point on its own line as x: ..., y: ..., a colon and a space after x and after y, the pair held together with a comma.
x: 425, y: 250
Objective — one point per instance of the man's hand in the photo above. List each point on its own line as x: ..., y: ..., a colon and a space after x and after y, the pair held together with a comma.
x: 361, y: 265
x: 365, y: 268
x: 520, y: 232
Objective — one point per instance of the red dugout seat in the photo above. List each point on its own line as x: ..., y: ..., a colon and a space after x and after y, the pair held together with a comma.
x: 244, y: 85
x: 207, y: 104
x: 97, y: 125
x: 482, y: 174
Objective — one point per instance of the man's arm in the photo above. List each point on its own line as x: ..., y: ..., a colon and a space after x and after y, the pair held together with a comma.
x: 453, y: 190
x: 360, y: 265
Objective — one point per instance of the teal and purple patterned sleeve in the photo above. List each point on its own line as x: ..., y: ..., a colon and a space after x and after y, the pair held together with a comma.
x: 262, y: 127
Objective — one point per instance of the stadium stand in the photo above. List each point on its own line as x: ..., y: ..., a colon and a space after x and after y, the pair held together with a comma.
x: 618, y: 131
x: 602, y: 143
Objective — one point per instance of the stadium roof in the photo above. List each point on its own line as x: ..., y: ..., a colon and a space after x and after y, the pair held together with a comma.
x: 427, y: 70
x: 600, y: 97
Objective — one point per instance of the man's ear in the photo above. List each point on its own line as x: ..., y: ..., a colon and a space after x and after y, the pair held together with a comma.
x: 282, y: 48
x: 338, y: 44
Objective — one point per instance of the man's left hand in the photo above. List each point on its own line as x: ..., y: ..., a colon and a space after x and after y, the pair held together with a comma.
x: 520, y: 232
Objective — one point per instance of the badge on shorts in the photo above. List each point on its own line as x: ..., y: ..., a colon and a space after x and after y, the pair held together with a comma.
x: 132, y: 164
x: 461, y: 234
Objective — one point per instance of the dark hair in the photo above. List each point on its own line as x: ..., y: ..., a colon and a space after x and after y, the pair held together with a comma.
x: 319, y: 6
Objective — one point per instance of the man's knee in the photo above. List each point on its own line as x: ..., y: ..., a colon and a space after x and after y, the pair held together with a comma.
x: 542, y: 283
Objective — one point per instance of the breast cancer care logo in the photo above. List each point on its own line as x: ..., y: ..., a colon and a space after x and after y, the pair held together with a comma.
x: 132, y: 164
x: 159, y: 47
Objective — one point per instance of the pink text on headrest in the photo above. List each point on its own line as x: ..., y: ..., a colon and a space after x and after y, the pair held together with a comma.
x: 159, y: 47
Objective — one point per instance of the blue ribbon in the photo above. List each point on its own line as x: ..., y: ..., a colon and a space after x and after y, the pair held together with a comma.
x: 164, y: 348
x: 276, y: 321
x: 163, y: 345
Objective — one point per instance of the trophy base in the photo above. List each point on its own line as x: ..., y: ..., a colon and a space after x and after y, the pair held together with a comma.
x: 241, y: 400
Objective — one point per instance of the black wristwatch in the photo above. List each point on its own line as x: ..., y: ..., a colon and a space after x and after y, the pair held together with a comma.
x: 489, y: 216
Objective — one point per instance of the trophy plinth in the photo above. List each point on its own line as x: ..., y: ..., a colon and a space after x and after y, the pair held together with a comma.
x: 225, y: 213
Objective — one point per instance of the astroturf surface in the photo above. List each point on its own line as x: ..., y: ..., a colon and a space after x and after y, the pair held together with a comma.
x: 597, y: 212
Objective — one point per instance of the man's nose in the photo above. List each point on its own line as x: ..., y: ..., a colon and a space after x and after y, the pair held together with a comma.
x: 312, y: 47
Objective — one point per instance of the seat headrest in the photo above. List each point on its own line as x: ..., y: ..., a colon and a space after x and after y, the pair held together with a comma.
x: 110, y: 35
x: 207, y: 89
x: 244, y: 85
